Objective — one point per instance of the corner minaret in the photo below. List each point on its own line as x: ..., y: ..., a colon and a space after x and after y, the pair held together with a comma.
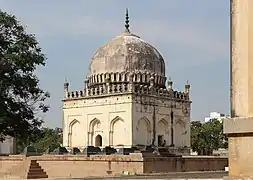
x: 127, y: 22
x: 170, y: 83
x: 66, y: 88
x: 187, y: 87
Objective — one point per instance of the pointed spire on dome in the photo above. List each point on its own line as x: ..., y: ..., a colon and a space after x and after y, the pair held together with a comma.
x: 127, y: 22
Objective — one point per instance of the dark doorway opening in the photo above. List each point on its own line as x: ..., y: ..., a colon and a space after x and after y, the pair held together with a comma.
x: 160, y: 140
x: 98, y: 140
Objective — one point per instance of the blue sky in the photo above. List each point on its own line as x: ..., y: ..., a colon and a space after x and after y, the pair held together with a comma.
x: 192, y: 36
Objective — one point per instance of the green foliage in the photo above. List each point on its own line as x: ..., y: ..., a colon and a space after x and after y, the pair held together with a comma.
x: 206, y: 137
x: 24, y: 141
x: 42, y: 139
x: 21, y: 98
x: 49, y: 138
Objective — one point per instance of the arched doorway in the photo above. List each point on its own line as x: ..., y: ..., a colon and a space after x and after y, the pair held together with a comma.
x: 162, y: 133
x: 98, y: 140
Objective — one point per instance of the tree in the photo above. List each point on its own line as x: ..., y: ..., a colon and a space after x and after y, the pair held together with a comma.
x: 35, y: 135
x: 42, y: 139
x: 206, y: 137
x: 195, y: 136
x: 21, y: 98
x: 49, y: 139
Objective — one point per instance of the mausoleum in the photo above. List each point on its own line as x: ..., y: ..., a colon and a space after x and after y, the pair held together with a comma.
x: 125, y: 100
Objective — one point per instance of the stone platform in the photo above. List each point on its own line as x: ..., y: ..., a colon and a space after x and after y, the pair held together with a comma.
x: 217, y: 175
x: 79, y: 166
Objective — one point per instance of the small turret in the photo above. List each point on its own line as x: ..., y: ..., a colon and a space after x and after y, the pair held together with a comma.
x: 86, y: 81
x: 187, y: 88
x: 170, y: 83
x: 66, y: 88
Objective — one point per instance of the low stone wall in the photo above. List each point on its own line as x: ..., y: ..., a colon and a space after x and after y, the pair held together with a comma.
x: 79, y: 166
x: 83, y: 166
x: 184, y: 164
x: 14, y: 166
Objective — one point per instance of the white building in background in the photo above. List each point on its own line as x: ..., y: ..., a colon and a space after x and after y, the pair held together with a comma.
x: 216, y: 115
x: 8, y: 146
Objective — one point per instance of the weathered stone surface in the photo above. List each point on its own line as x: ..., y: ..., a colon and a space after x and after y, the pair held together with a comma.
x: 125, y: 101
x: 241, y: 58
x: 80, y: 166
x: 238, y: 125
x: 127, y: 53
x: 240, y: 156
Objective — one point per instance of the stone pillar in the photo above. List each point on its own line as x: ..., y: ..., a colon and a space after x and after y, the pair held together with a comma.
x: 111, y: 138
x: 90, y: 138
x: 239, y: 127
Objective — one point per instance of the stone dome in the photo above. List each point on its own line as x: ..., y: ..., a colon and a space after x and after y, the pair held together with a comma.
x: 127, y: 53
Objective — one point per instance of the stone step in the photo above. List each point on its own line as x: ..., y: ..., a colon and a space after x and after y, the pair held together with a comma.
x: 35, y: 171
x: 34, y: 164
x: 35, y: 167
x: 35, y: 176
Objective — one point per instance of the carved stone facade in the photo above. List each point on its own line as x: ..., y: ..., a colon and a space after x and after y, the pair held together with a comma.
x: 125, y: 100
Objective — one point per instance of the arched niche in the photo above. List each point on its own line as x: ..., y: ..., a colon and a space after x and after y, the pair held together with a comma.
x: 180, y: 133
x: 117, y: 131
x: 74, y: 134
x: 143, y: 132
x: 162, y: 132
x: 94, y: 125
x: 94, y: 130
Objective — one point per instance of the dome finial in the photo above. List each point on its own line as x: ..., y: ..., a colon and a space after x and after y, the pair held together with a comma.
x: 127, y: 22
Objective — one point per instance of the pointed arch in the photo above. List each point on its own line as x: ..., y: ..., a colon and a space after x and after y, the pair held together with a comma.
x: 166, y: 124
x: 147, y: 123
x: 180, y: 133
x: 93, y: 123
x: 181, y: 122
x: 94, y: 130
x: 98, y: 140
x: 113, y: 122
x: 162, y: 132
x: 143, y: 132
x: 72, y: 123
x: 74, y: 133
x: 116, y: 131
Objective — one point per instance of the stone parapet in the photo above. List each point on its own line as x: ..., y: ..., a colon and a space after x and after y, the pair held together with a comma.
x: 238, y: 125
